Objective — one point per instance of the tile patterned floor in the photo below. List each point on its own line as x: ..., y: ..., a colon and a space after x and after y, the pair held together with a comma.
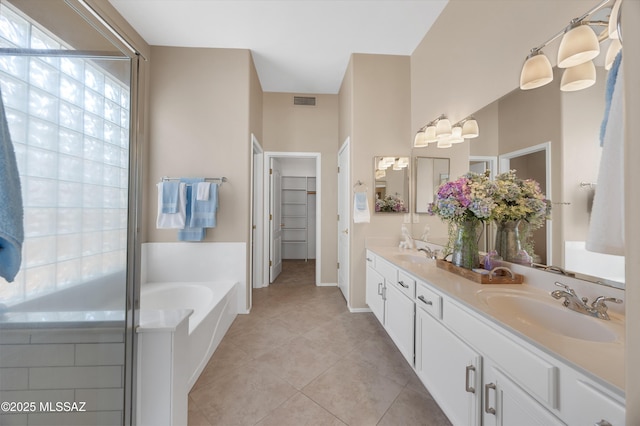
x: 301, y: 358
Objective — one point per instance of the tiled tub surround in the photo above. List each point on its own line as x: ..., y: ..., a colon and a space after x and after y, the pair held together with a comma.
x: 576, y: 368
x: 63, y: 361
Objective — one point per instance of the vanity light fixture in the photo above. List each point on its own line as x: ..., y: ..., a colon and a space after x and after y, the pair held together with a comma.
x: 443, y: 127
x: 441, y: 131
x: 420, y: 140
x: 430, y: 133
x: 456, y: 134
x: 444, y: 143
x: 470, y: 128
x: 578, y: 77
x: 612, y: 52
x: 536, y: 71
x: 579, y: 46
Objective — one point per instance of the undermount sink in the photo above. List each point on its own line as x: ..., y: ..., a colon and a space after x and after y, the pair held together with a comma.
x: 412, y: 258
x: 532, y: 310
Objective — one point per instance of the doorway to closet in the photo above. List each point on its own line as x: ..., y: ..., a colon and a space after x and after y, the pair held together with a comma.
x: 292, y: 225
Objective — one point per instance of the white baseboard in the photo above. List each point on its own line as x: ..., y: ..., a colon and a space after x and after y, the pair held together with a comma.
x: 358, y: 310
x: 327, y: 285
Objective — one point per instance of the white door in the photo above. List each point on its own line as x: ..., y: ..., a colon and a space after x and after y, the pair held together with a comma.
x: 343, y: 219
x: 275, y: 220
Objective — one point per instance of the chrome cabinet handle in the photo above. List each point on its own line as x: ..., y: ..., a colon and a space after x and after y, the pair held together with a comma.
x: 487, y: 408
x: 425, y: 301
x: 379, y: 289
x: 369, y: 259
x: 468, y: 388
x: 602, y: 422
x: 403, y: 284
x: 384, y: 293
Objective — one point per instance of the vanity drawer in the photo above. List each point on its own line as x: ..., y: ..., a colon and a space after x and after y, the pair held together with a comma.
x: 387, y: 270
x: 406, y: 284
x: 428, y: 300
x: 371, y: 260
x: 531, y: 372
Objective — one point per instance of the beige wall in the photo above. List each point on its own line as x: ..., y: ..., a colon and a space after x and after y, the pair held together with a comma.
x: 376, y: 99
x: 200, y: 127
x: 291, y: 128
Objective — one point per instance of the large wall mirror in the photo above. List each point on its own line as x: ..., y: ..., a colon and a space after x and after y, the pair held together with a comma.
x: 569, y: 124
x: 391, y: 176
x: 430, y: 173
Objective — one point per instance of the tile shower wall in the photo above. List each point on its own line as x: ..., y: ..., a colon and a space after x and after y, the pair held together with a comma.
x: 43, y: 367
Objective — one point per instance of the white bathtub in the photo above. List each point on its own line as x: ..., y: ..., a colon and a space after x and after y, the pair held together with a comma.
x: 214, y: 309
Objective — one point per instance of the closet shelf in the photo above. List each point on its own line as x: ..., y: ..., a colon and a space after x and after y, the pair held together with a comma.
x: 296, y: 214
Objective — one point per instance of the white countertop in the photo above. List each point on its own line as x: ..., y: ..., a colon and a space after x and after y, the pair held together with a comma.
x: 602, y: 361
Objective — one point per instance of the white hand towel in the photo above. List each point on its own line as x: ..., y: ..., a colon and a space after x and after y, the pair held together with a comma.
x: 173, y: 220
x: 606, y: 229
x: 203, y: 191
x: 361, y: 212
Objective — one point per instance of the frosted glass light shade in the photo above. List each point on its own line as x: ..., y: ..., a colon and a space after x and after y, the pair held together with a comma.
x: 612, y: 51
x: 470, y: 129
x: 430, y: 134
x: 579, y: 45
x: 444, y: 142
x: 456, y: 135
x: 578, y: 77
x: 536, y: 71
x: 443, y: 128
x: 613, y: 20
x: 420, y: 140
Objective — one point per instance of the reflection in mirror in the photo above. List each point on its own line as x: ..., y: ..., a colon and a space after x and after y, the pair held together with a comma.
x: 430, y: 174
x: 570, y: 122
x: 391, y: 176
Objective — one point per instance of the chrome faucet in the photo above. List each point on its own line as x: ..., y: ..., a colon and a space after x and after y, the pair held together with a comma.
x: 431, y: 254
x: 598, y: 307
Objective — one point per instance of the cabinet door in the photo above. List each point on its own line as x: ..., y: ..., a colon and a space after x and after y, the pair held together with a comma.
x: 592, y: 405
x: 399, y: 320
x: 450, y: 370
x: 505, y: 403
x: 374, y: 292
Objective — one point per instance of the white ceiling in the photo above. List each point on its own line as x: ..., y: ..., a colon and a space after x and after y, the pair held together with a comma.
x: 298, y: 46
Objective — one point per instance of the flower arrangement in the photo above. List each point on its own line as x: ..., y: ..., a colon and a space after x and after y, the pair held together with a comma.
x: 518, y: 199
x: 390, y: 203
x: 470, y: 197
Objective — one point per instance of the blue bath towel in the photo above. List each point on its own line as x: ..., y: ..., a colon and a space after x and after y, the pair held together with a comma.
x: 190, y: 233
x: 170, y: 196
x: 11, y: 210
x: 612, y: 77
x: 203, y: 212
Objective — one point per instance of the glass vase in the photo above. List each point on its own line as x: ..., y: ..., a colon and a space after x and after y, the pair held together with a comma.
x: 508, y: 239
x: 465, y: 245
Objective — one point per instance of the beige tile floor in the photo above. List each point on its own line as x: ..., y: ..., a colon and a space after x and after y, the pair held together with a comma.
x: 301, y: 358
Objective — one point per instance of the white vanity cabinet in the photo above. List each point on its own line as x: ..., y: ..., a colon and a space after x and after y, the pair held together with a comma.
x: 399, y: 320
x: 375, y: 289
x: 478, y: 370
x: 449, y: 368
x: 506, y: 404
x: 591, y: 405
x: 389, y: 294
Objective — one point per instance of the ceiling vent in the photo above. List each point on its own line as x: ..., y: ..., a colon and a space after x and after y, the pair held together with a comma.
x: 304, y: 100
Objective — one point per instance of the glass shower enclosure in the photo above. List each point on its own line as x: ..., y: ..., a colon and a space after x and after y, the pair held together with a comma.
x: 66, y: 319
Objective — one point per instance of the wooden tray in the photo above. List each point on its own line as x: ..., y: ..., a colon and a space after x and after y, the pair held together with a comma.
x: 499, y: 277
